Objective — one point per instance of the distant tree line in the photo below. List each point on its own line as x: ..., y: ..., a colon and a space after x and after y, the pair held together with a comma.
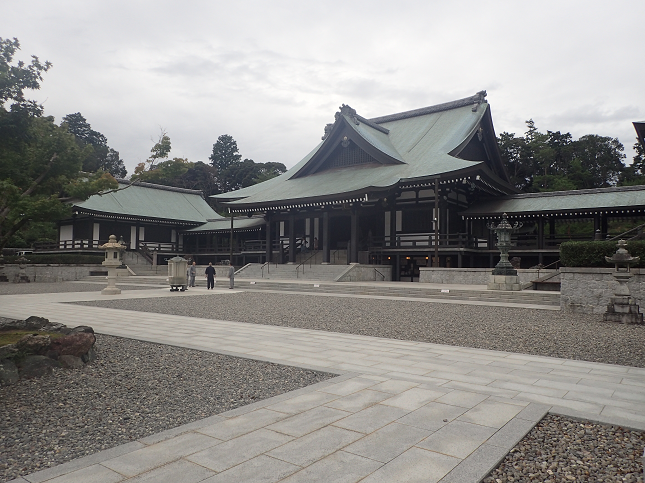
x: 554, y: 161
x: 225, y: 172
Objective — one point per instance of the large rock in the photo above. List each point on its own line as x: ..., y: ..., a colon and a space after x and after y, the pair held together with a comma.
x: 36, y: 323
x: 34, y: 344
x: 71, y: 362
x: 36, y: 366
x: 13, y: 325
x: 8, y: 373
x: 82, y: 328
x: 74, y: 344
x: 7, y: 351
x: 90, y: 356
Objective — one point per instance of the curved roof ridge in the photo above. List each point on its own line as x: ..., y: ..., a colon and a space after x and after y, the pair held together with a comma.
x: 144, y: 184
x: 586, y: 191
x: 477, y: 99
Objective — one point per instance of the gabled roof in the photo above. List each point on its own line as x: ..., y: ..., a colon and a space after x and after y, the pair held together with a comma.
x: 411, y: 146
x: 616, y: 199
x: 640, y: 131
x: 150, y: 201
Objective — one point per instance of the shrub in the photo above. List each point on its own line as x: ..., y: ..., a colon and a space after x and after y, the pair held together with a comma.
x: 58, y: 258
x: 593, y: 253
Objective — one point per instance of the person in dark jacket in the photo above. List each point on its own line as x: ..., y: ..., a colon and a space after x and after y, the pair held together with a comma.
x: 210, y: 276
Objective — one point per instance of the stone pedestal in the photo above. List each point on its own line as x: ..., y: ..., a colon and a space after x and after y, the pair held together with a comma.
x: 504, y: 282
x: 111, y: 288
x: 623, y: 309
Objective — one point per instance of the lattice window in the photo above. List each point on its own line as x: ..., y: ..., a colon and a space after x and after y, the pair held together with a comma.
x: 352, y: 155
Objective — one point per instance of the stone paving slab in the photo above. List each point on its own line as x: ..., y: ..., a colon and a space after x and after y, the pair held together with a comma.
x: 409, y: 411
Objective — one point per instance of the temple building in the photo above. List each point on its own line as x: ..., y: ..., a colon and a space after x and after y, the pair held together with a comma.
x: 409, y: 190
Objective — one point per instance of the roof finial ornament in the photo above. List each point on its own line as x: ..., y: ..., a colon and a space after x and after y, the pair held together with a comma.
x: 479, y: 98
x: 349, y: 112
x: 328, y: 128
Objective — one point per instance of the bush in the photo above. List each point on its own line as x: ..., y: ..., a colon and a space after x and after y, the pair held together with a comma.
x: 593, y: 253
x: 58, y: 258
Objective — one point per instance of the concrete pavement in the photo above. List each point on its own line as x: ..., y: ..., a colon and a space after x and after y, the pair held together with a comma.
x: 399, y: 410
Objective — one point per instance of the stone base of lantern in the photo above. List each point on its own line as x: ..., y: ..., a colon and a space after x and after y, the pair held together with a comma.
x: 623, y: 309
x: 504, y: 282
x: 111, y: 291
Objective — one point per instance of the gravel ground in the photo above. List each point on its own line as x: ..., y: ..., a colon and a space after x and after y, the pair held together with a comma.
x: 59, y: 287
x: 539, y: 332
x: 134, y: 389
x: 560, y: 449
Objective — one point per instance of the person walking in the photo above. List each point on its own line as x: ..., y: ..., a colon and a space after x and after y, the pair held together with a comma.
x: 231, y: 276
x: 192, y: 272
x: 210, y: 276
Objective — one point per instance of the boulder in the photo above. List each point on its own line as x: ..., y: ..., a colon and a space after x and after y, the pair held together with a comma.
x: 13, y: 325
x: 8, y: 373
x: 82, y: 328
x: 34, y: 344
x: 35, y: 323
x: 75, y: 344
x: 53, y: 327
x: 90, y: 356
x: 36, y: 366
x: 71, y: 362
x: 7, y: 351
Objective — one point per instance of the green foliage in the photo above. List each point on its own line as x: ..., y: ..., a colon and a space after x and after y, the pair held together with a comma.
x: 553, y: 161
x: 40, y: 162
x: 98, y: 156
x: 58, y: 259
x: 593, y: 253
x: 634, y: 174
x: 225, y: 153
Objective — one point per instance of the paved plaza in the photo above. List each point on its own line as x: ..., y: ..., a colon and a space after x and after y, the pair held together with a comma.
x: 399, y: 411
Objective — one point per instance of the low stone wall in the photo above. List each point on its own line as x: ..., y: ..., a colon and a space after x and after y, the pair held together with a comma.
x: 53, y: 273
x: 473, y: 276
x: 588, y: 290
x: 366, y: 273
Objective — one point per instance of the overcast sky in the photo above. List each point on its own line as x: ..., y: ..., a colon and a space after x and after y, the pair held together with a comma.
x: 273, y: 73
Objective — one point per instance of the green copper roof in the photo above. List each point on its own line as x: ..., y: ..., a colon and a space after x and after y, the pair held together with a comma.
x: 413, y: 146
x: 601, y: 199
x: 148, y: 200
x: 239, y: 224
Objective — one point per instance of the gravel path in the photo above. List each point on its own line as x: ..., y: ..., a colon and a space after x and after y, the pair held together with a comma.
x: 560, y: 449
x: 539, y: 332
x: 134, y: 389
x: 59, y: 287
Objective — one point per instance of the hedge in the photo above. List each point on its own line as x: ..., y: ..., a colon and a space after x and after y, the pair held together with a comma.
x: 593, y: 253
x: 57, y: 258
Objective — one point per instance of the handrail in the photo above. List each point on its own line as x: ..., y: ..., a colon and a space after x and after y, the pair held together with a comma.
x: 618, y: 237
x: 547, y: 266
x: 265, y: 264
x: 375, y: 270
x: 303, y: 263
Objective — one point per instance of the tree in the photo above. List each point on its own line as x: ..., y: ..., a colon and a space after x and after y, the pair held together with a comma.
x: 225, y: 153
x: 40, y: 162
x: 553, y: 161
x: 634, y: 174
x: 98, y: 155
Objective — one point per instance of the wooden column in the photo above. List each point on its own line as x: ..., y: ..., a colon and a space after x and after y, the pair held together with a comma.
x: 540, y: 241
x: 230, y: 257
x: 325, y: 237
x: 435, y: 262
x: 292, y: 238
x: 269, y: 241
x: 353, y: 258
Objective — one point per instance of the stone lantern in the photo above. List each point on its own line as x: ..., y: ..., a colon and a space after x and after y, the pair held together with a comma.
x: 622, y: 307
x: 504, y: 276
x: 113, y: 253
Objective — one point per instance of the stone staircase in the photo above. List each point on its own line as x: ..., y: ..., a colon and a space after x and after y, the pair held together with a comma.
x: 141, y: 266
x: 262, y: 271
x: 408, y: 289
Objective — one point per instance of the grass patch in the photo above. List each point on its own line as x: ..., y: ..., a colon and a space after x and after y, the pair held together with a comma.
x: 13, y: 336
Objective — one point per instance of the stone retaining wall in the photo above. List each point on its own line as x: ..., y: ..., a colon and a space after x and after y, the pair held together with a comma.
x: 52, y: 273
x: 473, y: 276
x: 587, y: 290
